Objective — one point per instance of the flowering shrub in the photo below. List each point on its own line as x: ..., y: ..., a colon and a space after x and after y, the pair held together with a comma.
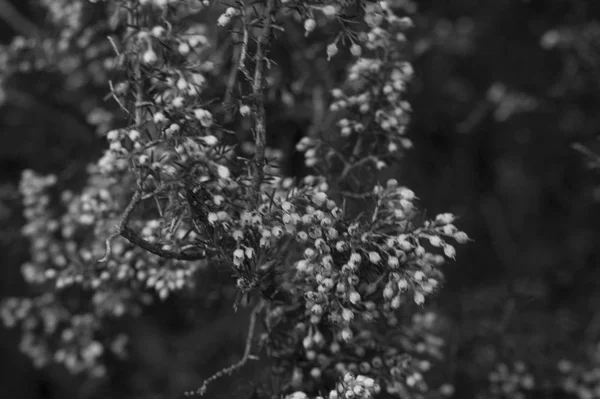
x: 335, y: 264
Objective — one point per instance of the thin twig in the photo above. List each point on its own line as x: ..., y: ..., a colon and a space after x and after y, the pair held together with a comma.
x: 114, y: 95
x: 114, y: 45
x: 245, y: 357
x: 592, y: 156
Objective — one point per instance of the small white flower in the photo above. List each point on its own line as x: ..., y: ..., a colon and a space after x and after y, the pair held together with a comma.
x: 319, y: 198
x: 184, y: 48
x: 204, y: 116
x: 435, y: 241
x: 309, y: 253
x: 159, y: 117
x: 224, y: 20
x: 329, y: 11
x: 210, y: 140
x: 113, y: 135
x: 374, y: 257
x: 158, y: 31
x: 402, y: 284
x: 134, y: 135
x: 354, y: 297
x: 355, y: 257
x: 310, y: 25
x: 302, y: 266
x: 223, y: 172
x: 149, y: 56
x: 341, y: 246
x: 419, y: 298
x: 461, y: 237
x: 245, y: 110
x: 238, y: 256
x: 212, y: 218
x: 445, y: 218
x: 346, y: 334
x: 356, y: 50
x: 449, y: 251
x: 347, y: 314
x: 332, y: 49
x: 182, y: 84
x: 178, y: 101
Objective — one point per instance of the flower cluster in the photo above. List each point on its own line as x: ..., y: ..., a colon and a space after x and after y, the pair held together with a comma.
x: 173, y: 194
x: 372, y: 112
x: 74, y: 46
x: 579, y: 379
x: 52, y: 334
x: 514, y: 381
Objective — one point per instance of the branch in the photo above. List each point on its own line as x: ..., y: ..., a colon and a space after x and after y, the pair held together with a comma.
x: 259, y: 105
x: 19, y: 23
x: 593, y: 158
x: 245, y: 357
x: 127, y: 233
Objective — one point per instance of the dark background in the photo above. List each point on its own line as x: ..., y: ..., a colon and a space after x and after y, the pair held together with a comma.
x: 495, y: 119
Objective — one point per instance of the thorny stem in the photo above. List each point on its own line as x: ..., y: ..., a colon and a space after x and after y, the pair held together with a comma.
x: 259, y: 106
x: 241, y: 64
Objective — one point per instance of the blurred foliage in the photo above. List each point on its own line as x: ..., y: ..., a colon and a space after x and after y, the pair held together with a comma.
x: 505, y: 127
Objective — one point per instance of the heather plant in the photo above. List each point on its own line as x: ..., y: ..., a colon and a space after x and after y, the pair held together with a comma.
x: 335, y: 264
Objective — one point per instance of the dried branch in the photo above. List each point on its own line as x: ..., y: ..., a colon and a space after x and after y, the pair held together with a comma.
x: 131, y: 236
